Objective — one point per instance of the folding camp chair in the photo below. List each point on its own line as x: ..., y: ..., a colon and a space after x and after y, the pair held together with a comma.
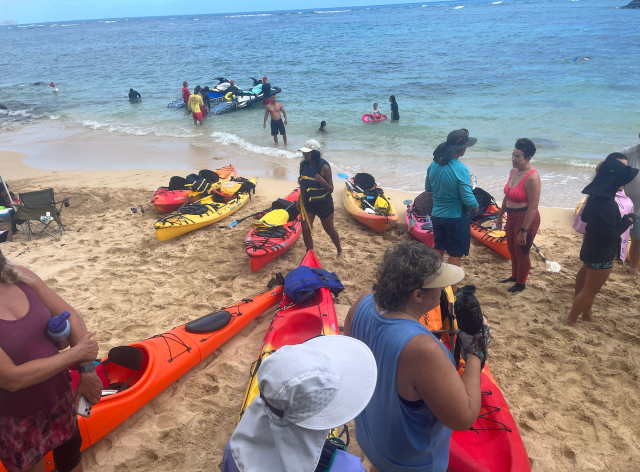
x: 36, y: 205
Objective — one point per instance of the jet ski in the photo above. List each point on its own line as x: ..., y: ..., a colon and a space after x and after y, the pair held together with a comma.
x: 244, y: 100
x: 221, y: 104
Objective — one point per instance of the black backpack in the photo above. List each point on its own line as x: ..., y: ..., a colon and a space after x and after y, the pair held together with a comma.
x: 484, y: 199
x: 364, y: 181
x: 423, y: 204
x: 209, y: 175
x: 177, y: 183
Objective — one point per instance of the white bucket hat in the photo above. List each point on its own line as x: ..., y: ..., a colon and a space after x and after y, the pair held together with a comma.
x: 311, y: 145
x: 305, y: 391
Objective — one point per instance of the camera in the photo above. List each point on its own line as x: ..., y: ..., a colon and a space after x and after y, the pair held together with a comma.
x: 467, y: 311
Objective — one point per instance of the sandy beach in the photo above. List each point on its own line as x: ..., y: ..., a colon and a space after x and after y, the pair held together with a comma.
x: 575, y: 398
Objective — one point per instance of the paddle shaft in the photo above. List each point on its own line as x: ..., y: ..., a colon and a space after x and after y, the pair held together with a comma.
x: 352, y: 185
x: 540, y: 252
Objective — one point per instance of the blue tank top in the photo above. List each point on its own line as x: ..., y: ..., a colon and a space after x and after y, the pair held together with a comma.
x: 396, y: 437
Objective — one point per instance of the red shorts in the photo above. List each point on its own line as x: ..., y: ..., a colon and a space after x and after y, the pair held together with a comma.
x: 197, y: 116
x: 266, y: 101
x: 203, y: 110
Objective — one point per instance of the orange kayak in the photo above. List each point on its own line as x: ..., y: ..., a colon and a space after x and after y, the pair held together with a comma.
x: 165, y: 358
x: 495, y: 240
x: 167, y: 201
x: 294, y: 324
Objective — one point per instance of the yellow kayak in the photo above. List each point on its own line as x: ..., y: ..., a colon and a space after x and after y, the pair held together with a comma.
x: 378, y: 221
x: 204, y: 212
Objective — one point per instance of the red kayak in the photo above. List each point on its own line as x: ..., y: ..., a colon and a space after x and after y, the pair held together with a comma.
x: 167, y: 201
x: 294, y: 324
x: 140, y: 371
x: 263, y: 247
x: 493, y: 444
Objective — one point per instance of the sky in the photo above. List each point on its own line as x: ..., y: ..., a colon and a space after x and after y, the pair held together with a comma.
x: 41, y: 11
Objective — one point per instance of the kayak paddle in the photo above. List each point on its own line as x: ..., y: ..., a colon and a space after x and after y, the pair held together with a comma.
x: 352, y: 185
x: 407, y: 202
x: 235, y: 223
x: 551, y: 265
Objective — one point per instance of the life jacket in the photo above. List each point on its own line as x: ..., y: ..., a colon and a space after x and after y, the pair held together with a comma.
x: 311, y: 188
x: 197, y: 183
x: 272, y: 219
x: 233, y: 188
x: 301, y: 283
x: 229, y: 189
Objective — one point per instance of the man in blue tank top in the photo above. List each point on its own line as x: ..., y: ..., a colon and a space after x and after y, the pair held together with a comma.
x: 419, y: 397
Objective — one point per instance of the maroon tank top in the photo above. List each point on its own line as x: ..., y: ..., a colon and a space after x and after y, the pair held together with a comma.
x: 26, y: 340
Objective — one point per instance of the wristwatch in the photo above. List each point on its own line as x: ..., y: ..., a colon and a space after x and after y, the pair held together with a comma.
x: 522, y: 230
x: 88, y: 367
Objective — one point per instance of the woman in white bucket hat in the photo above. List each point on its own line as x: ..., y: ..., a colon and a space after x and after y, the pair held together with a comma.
x: 305, y: 391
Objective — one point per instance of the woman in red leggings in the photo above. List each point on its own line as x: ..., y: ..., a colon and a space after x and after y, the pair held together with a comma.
x: 521, y: 198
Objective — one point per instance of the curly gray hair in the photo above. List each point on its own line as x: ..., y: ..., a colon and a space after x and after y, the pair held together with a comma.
x: 403, y: 269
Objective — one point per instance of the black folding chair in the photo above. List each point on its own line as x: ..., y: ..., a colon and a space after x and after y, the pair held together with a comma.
x: 36, y: 205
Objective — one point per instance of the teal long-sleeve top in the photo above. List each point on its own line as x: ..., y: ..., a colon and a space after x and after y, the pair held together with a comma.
x: 451, y: 187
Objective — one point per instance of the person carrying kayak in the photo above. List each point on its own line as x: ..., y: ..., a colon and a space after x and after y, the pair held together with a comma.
x: 37, y: 401
x: 420, y: 397
x: 601, y: 241
x: 316, y: 187
x: 305, y: 391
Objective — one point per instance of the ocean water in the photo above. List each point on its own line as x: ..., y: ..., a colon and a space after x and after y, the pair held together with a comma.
x: 503, y: 70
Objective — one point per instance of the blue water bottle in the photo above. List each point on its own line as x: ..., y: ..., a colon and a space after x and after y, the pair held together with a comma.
x: 59, y: 328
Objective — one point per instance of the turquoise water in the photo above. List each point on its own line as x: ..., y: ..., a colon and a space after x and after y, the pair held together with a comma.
x: 503, y: 70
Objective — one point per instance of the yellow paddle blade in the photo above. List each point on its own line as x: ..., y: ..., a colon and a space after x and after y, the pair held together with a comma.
x: 496, y: 233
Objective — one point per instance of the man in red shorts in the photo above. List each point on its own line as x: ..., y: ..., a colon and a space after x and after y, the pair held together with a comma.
x: 196, y: 105
x: 185, y: 92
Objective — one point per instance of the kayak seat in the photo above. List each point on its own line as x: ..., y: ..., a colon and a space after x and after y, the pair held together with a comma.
x: 364, y: 181
x: 177, y: 183
x: 282, y: 204
x: 209, y: 175
x: 209, y: 323
x: 484, y: 199
x: 129, y: 357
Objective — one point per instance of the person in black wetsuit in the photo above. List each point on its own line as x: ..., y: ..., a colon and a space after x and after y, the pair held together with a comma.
x: 205, y: 97
x: 601, y: 241
x: 134, y: 96
x: 395, y: 115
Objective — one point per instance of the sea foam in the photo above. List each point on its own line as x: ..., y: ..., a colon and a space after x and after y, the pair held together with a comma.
x: 227, y: 139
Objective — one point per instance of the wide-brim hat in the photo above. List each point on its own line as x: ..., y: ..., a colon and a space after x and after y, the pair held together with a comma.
x: 446, y: 275
x: 358, y: 376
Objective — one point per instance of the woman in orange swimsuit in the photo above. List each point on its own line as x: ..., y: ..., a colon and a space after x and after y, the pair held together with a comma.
x: 521, y: 199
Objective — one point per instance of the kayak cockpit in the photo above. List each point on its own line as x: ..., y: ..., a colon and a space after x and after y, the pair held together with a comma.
x: 124, y: 366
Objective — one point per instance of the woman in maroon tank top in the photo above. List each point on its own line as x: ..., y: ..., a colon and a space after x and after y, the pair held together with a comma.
x: 37, y: 402
x: 521, y: 199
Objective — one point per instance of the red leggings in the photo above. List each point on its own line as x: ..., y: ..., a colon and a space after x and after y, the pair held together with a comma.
x: 520, y: 262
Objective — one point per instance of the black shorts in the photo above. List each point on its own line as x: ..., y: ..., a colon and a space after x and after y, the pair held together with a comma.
x: 452, y: 235
x: 322, y: 209
x: 277, y: 126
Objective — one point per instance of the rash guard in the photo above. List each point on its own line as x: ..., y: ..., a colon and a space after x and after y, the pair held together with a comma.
x: 451, y: 187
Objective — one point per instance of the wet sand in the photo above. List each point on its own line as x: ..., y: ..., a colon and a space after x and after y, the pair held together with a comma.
x: 575, y: 398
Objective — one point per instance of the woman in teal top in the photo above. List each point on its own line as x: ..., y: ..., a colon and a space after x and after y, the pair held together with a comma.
x: 419, y: 397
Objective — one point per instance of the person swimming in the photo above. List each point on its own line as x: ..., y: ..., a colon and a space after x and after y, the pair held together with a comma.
x: 323, y: 126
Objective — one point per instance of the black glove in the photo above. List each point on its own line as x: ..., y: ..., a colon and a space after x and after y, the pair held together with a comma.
x: 631, y: 216
x: 476, y: 344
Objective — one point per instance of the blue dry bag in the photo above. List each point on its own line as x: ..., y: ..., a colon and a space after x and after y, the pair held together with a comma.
x: 301, y: 283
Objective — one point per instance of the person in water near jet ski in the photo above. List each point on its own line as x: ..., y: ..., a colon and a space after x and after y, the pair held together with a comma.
x: 266, y: 91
